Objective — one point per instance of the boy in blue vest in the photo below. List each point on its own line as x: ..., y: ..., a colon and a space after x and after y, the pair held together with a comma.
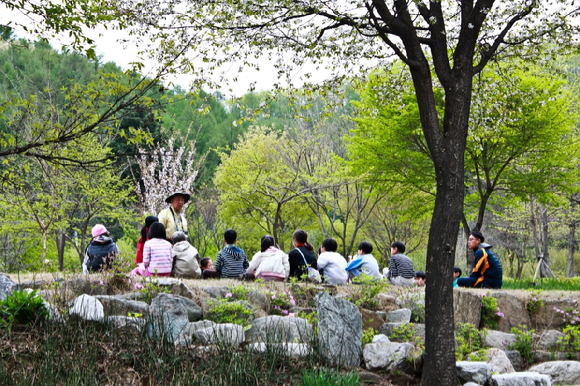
x: 487, y: 272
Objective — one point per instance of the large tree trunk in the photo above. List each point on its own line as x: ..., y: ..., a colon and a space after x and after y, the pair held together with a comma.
x: 571, y: 249
x: 447, y: 148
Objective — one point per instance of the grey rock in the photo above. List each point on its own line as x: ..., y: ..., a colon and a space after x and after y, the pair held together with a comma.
x: 478, y: 372
x: 548, y: 356
x: 414, y: 301
x: 88, y: 308
x: 561, y: 372
x: 497, y: 339
x: 548, y: 340
x: 259, y: 300
x: 515, y: 359
x: 115, y: 306
x: 471, y: 384
x: 171, y: 327
x: 548, y: 317
x: 217, y: 292
x: 278, y: 329
x: 520, y: 379
x: 466, y: 307
x: 304, y: 310
x: 387, y: 302
x: 381, y: 338
x: 185, y: 336
x: 391, y: 356
x: 515, y: 312
x: 383, y: 315
x: 499, y: 361
x: 165, y: 281
x: 288, y: 349
x: 7, y: 286
x: 167, y: 303
x: 32, y: 284
x: 227, y: 334
x: 399, y: 316
x: 368, y: 377
x: 118, y: 321
x: 339, y: 330
x: 138, y: 296
x: 180, y: 289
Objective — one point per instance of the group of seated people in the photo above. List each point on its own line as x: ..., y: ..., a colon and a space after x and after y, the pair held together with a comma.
x: 163, y: 250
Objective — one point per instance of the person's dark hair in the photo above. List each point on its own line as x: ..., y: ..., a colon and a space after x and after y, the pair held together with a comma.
x: 267, y: 242
x: 178, y: 237
x: 148, y: 221
x: 330, y: 245
x: 478, y: 235
x: 300, y: 236
x: 457, y: 269
x: 204, y: 262
x: 230, y: 236
x: 366, y: 247
x: 421, y: 274
x: 399, y: 245
x: 157, y: 231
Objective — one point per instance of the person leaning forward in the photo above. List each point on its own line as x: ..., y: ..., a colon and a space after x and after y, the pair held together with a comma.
x: 173, y: 218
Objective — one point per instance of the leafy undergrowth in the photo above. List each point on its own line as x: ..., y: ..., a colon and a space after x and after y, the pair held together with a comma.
x: 572, y: 284
x: 81, y: 353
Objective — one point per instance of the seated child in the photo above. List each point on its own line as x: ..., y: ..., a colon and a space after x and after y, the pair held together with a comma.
x: 231, y: 261
x: 456, y: 275
x: 157, y: 254
x: 100, y: 252
x: 184, y: 257
x: 207, y: 270
x: 364, y: 262
x: 270, y: 264
x: 402, y: 270
x: 420, y: 279
x: 331, y: 264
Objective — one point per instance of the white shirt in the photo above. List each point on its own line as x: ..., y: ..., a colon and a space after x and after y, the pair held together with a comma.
x: 334, y: 266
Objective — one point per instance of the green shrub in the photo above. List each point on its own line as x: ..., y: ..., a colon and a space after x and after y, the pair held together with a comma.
x: 535, y: 304
x: 222, y: 311
x: 490, y: 313
x: 281, y: 302
x: 369, y: 288
x: 467, y: 340
x: 327, y: 378
x: 368, y: 336
x: 524, y: 343
x: 22, y: 307
x: 312, y: 318
x: 571, y: 340
x: 478, y: 356
x: 239, y: 292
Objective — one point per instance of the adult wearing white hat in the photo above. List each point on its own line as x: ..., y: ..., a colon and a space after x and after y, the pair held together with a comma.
x: 173, y: 218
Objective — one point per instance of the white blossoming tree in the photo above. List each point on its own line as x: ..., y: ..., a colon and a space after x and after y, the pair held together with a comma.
x: 164, y: 171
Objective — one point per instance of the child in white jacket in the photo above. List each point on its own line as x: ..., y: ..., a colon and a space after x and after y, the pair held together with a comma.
x: 270, y: 264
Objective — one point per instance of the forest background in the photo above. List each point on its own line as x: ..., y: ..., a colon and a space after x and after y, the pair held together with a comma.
x: 358, y: 170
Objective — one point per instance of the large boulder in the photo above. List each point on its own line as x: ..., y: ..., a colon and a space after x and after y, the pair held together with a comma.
x: 216, y: 292
x: 466, y: 307
x: 278, y: 329
x: 186, y: 335
x: 370, y: 319
x: 180, y: 289
x: 167, y: 303
x: 499, y: 361
x: 227, y: 334
x: 391, y: 356
x: 478, y: 372
x: 288, y: 349
x: 497, y: 339
x: 88, y: 308
x: 259, y: 300
x: 514, y: 311
x: 118, y: 321
x: 7, y: 286
x: 520, y: 379
x: 339, y: 330
x: 399, y: 316
x: 549, y: 317
x: 113, y: 305
x: 515, y: 359
x: 549, y: 339
x: 549, y: 356
x: 561, y: 372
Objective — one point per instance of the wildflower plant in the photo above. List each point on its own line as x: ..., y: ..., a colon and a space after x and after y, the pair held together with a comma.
x: 281, y: 302
x: 490, y: 312
x: 569, y: 317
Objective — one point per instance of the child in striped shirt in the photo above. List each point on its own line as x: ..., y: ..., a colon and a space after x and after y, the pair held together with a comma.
x: 157, y: 254
x: 232, y: 261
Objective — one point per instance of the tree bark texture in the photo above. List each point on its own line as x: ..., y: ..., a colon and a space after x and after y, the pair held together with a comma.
x: 60, y: 244
x: 544, y: 269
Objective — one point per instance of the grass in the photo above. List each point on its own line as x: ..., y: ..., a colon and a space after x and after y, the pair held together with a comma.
x: 564, y: 284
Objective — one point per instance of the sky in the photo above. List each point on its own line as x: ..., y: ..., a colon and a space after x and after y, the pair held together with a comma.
x: 108, y: 46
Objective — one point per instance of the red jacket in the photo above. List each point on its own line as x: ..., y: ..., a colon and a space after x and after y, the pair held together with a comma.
x: 140, y: 246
